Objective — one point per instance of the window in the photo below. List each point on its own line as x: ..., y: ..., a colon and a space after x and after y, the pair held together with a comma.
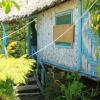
x: 63, y: 21
x: 64, y: 18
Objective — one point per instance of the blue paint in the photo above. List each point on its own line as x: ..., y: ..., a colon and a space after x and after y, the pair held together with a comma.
x: 29, y: 41
x: 41, y: 68
x: 89, y: 56
x: 79, y: 35
x: 60, y: 66
x: 69, y: 69
x: 64, y: 45
x: 30, y: 47
x: 89, y: 75
x: 4, y: 34
x: 94, y: 41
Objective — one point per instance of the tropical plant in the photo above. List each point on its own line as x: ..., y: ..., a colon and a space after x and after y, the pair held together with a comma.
x: 16, y: 49
x: 98, y: 66
x: 95, y: 14
x: 13, y: 71
x: 19, y: 66
x: 52, y: 87
x: 6, y: 5
x: 98, y: 70
x: 6, y: 90
x: 73, y: 89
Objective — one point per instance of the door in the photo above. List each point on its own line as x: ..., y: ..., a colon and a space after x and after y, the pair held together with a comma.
x: 33, y: 35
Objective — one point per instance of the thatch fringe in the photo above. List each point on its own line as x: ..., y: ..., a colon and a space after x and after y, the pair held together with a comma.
x: 28, y: 8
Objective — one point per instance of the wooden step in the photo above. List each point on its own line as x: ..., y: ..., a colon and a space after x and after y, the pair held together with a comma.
x: 31, y: 79
x: 38, y: 83
x: 26, y: 87
x: 28, y: 94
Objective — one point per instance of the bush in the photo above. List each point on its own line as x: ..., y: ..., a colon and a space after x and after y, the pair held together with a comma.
x: 62, y: 86
x: 73, y: 88
x: 16, y: 49
x: 6, y: 90
x: 52, y: 88
x: 13, y: 71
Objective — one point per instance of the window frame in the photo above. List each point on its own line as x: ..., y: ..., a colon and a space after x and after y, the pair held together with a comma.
x: 62, y: 45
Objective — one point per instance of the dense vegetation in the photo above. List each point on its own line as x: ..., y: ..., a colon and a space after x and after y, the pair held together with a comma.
x: 67, y: 86
x: 14, y: 67
x: 13, y: 71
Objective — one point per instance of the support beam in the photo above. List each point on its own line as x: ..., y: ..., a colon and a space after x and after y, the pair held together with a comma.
x: 79, y: 34
x: 30, y: 30
x: 4, y: 37
x: 29, y: 41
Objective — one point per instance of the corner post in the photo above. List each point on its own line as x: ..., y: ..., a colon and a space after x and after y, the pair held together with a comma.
x: 29, y: 40
x: 4, y: 37
x: 79, y: 35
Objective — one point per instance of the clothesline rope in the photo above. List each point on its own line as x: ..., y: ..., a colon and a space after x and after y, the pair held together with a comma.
x: 56, y: 38
x: 65, y: 31
x: 17, y: 30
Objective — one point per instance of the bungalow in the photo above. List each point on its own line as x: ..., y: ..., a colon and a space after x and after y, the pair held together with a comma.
x: 60, y: 33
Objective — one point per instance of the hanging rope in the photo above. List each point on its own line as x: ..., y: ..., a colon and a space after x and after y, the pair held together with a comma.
x: 65, y: 31
x: 17, y: 30
x: 59, y: 36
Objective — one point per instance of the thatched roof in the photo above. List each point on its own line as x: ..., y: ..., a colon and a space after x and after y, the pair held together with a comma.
x: 28, y: 7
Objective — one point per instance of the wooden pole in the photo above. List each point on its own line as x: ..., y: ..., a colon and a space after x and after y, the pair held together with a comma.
x: 4, y: 38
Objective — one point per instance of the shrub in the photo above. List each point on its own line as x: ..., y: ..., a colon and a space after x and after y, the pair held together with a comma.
x: 6, y: 90
x: 74, y: 88
x: 13, y: 71
x: 16, y: 49
x: 62, y: 86
x: 52, y: 88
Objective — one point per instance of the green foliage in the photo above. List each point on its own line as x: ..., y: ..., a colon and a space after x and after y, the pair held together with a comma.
x: 8, y: 4
x: 96, y: 23
x: 6, y: 90
x: 13, y: 71
x: 52, y: 88
x: 16, y: 49
x: 0, y: 46
x: 19, y: 38
x: 62, y: 86
x: 15, y: 68
x: 98, y: 70
x: 95, y: 14
x: 98, y: 53
x: 88, y: 4
x: 73, y: 88
x: 19, y: 35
